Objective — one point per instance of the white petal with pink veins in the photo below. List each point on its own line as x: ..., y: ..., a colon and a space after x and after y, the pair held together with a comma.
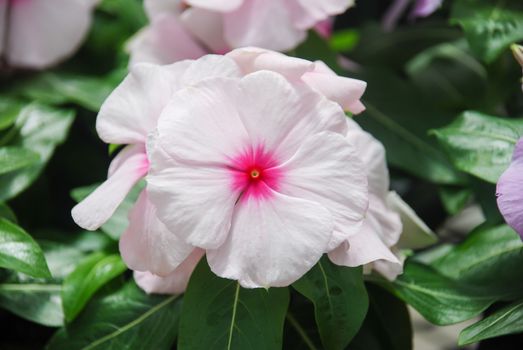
x: 326, y: 169
x: 100, y: 205
x: 154, y: 8
x: 133, y: 108
x: 207, y: 27
x: 272, y: 242
x: 164, y: 41
x: 43, y: 32
x: 174, y: 283
x: 216, y: 5
x: 263, y: 23
x: 147, y: 245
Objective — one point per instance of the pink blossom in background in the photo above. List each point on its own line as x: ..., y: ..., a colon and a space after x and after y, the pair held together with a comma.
x: 41, y: 33
x: 424, y: 8
x: 189, y: 29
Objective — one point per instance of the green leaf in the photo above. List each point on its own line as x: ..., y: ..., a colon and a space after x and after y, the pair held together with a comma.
x: 490, y: 258
x: 439, y: 299
x: 7, y: 213
x: 89, y: 276
x: 479, y: 144
x: 454, y: 199
x: 118, y: 223
x: 508, y: 320
x: 9, y: 110
x: 387, y: 325
x: 340, y: 301
x: 344, y: 40
x: 490, y: 25
x: 14, y: 158
x: 219, y: 314
x: 123, y: 319
x: 19, y: 252
x: 41, y: 130
x: 400, y: 119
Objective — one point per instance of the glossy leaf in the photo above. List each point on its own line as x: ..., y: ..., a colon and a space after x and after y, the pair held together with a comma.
x: 490, y: 258
x: 387, y: 325
x: 454, y: 199
x: 508, y: 320
x: 14, y: 158
x: 118, y: 223
x: 439, y: 299
x: 340, y: 301
x: 479, y: 144
x: 219, y: 314
x: 19, y: 252
x: 41, y: 130
x: 490, y: 26
x: 89, y: 276
x: 125, y: 318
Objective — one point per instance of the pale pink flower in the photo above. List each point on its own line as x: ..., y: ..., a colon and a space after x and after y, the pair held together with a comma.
x: 257, y: 172
x: 188, y: 29
x: 130, y: 116
x: 41, y: 33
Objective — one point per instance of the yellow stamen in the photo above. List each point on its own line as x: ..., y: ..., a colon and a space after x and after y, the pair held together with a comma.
x: 255, y: 174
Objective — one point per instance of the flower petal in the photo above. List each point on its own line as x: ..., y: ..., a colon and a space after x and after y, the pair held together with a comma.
x: 99, y: 206
x: 147, y: 245
x: 206, y: 26
x: 155, y: 8
x: 216, y: 5
x: 345, y: 91
x: 272, y: 242
x: 326, y: 169
x: 510, y: 189
x: 44, y: 32
x: 175, y: 283
x: 133, y: 108
x: 314, y: 11
x: 150, y: 44
x: 263, y: 23
x: 425, y: 8
x: 3, y: 25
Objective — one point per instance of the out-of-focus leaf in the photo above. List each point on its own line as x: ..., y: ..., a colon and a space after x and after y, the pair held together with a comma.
x: 219, y: 314
x: 7, y: 213
x: 439, y: 299
x: 41, y: 130
x: 126, y: 318
x: 340, y: 301
x: 387, y: 325
x: 454, y: 199
x: 479, y: 144
x: 490, y: 25
x: 19, y: 252
x: 88, y: 277
x: 344, y: 40
x: 118, y: 223
x: 490, y: 258
x: 14, y: 158
x: 508, y: 320
x: 58, y: 88
x: 9, y: 110
x: 400, y: 119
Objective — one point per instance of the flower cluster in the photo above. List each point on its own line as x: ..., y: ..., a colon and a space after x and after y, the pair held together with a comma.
x: 40, y: 33
x: 249, y: 159
x: 191, y: 28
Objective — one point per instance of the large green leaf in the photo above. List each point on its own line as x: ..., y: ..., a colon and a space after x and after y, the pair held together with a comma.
x: 7, y: 213
x: 19, y: 251
x: 340, y: 301
x: 439, y: 299
x: 479, y: 144
x: 14, y: 158
x: 89, y: 276
x: 219, y: 314
x: 490, y: 258
x: 118, y: 223
x: 507, y: 320
x: 126, y: 318
x: 9, y: 110
x: 387, y: 325
x: 490, y: 25
x: 41, y: 130
x: 401, y: 118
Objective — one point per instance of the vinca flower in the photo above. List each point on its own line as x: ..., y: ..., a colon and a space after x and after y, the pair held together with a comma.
x: 129, y: 117
x: 191, y: 28
x: 40, y: 33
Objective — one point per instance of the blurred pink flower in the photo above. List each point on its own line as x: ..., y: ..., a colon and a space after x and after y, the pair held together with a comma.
x: 424, y: 8
x: 130, y: 116
x: 40, y: 33
x: 189, y: 29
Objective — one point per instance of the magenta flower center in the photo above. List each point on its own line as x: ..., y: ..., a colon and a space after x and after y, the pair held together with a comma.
x: 255, y: 173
